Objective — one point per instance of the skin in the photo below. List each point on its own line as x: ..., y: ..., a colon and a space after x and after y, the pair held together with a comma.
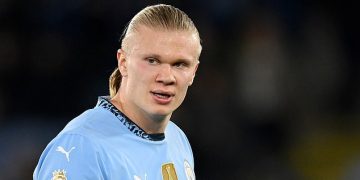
x: 157, y: 67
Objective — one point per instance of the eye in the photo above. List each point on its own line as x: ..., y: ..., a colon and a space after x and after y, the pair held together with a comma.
x: 152, y: 60
x: 181, y: 65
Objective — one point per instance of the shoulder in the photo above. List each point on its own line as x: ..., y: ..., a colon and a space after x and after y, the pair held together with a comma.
x: 179, y: 139
x: 175, y: 133
x: 92, y: 123
x: 86, y: 131
x: 73, y: 153
x: 87, y: 117
x: 173, y: 128
x: 82, y: 147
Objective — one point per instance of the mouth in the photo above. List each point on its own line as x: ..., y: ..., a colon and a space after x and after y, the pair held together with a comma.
x: 162, y: 97
x: 162, y: 94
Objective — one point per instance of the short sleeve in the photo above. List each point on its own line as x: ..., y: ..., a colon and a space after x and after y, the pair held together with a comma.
x: 70, y: 156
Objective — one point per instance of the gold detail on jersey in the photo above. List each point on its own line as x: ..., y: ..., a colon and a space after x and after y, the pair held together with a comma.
x: 189, y: 172
x: 168, y: 172
x: 59, y: 175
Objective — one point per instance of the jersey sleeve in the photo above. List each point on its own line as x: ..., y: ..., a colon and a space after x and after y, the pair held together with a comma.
x: 70, y: 156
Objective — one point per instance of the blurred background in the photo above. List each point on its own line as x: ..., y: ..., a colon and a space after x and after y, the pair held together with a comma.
x: 277, y: 94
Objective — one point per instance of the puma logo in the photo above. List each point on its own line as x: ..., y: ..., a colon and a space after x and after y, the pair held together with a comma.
x: 67, y: 153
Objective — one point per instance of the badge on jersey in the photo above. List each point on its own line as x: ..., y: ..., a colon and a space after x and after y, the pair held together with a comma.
x: 59, y: 175
x: 189, y: 172
x: 168, y: 172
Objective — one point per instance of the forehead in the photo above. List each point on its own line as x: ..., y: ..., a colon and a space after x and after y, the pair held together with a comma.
x: 176, y: 43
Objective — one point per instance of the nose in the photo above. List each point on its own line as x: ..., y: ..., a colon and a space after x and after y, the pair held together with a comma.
x: 165, y: 75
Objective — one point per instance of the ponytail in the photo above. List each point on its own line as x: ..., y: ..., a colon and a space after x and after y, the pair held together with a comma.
x: 114, y: 82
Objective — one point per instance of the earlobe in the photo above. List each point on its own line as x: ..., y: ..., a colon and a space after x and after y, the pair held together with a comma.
x: 120, y: 55
x: 193, y: 77
x: 192, y: 80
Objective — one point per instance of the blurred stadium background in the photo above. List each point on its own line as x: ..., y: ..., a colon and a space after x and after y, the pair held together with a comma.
x: 277, y: 95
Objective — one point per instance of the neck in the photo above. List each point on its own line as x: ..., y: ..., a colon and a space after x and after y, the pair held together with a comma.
x: 150, y: 123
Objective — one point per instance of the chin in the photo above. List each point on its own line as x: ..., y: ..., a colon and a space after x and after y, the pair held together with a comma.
x: 162, y: 112
x: 160, y: 117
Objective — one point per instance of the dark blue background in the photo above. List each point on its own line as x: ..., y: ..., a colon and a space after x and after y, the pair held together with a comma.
x: 276, y: 95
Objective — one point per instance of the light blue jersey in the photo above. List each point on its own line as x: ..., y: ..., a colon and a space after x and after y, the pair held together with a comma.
x: 102, y: 143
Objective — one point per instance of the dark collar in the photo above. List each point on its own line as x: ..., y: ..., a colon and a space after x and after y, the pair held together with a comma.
x: 103, y: 101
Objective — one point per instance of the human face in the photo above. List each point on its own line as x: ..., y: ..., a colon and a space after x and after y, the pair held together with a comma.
x: 157, y: 68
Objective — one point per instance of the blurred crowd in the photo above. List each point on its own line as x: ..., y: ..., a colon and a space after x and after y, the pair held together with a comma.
x: 276, y: 96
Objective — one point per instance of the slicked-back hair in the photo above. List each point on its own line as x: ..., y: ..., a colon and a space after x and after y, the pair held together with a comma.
x: 160, y: 16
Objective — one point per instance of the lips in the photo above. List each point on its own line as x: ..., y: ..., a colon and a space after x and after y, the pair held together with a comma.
x: 162, y: 97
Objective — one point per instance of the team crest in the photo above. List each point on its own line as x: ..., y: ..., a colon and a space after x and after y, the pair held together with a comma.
x: 59, y: 175
x: 189, y: 172
x: 168, y: 172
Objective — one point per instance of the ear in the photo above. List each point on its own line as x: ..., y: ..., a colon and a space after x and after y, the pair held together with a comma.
x: 194, y: 73
x: 120, y: 55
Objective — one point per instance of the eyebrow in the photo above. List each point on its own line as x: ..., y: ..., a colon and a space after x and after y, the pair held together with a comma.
x: 159, y: 57
x: 152, y: 55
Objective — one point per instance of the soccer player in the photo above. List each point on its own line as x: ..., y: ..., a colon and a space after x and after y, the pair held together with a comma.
x: 129, y: 135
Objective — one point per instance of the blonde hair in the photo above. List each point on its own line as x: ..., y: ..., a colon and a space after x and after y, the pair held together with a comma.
x: 156, y: 16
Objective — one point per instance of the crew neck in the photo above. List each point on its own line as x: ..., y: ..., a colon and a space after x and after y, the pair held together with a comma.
x: 104, y: 102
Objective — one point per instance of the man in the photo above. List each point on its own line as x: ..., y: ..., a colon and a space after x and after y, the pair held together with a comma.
x: 129, y: 135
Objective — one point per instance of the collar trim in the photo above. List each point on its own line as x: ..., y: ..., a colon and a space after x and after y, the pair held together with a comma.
x: 103, y: 102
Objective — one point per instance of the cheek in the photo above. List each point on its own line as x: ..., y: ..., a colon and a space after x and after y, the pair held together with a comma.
x: 186, y: 79
x: 182, y: 94
x: 140, y: 72
x: 183, y: 83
